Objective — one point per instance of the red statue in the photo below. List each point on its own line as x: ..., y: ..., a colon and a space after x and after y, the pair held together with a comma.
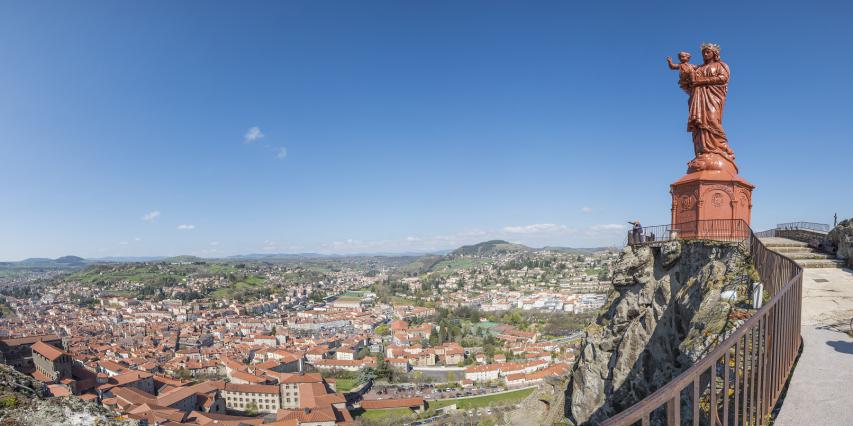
x: 712, y: 188
x: 707, y: 86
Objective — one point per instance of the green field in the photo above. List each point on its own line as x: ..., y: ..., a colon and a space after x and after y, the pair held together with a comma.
x: 393, y: 413
x: 482, y: 401
x: 461, y: 403
x: 451, y: 265
x: 345, y: 385
x: 5, y: 310
x: 592, y: 271
x: 397, y: 300
x: 248, y: 284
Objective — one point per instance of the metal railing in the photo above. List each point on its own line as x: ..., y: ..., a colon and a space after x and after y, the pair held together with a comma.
x: 730, y: 230
x: 767, y: 233
x: 808, y: 226
x: 740, y: 381
x: 821, y: 228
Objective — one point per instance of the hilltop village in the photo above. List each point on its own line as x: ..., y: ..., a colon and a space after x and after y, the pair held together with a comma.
x: 317, y: 341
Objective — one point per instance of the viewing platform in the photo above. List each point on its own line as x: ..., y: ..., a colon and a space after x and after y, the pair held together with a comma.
x: 819, y: 391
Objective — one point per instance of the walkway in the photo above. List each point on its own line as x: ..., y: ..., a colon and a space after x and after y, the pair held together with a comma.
x: 801, y: 253
x: 821, y: 390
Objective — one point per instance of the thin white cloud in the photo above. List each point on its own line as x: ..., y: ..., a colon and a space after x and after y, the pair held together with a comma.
x: 137, y: 239
x: 270, y: 246
x: 151, y: 216
x: 253, y: 134
x: 538, y: 228
x: 214, y: 243
x: 123, y: 243
x: 280, y: 153
x: 609, y: 228
x: 586, y: 209
x: 186, y: 227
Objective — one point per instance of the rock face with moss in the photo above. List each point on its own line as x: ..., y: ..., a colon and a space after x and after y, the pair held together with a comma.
x: 665, y: 313
x: 23, y: 402
x: 842, y: 237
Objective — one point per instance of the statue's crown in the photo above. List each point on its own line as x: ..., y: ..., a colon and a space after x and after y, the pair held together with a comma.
x: 713, y: 46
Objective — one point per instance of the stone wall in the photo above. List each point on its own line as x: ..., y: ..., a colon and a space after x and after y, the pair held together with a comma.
x: 665, y: 313
x: 802, y: 235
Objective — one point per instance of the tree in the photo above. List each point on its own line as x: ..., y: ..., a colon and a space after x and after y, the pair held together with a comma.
x: 366, y: 375
x: 363, y: 352
x: 184, y: 374
x: 382, y: 330
x: 383, y: 370
x: 318, y: 296
x: 434, y: 338
x: 252, y: 409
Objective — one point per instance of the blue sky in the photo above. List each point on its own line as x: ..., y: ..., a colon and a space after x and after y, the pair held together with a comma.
x: 397, y: 126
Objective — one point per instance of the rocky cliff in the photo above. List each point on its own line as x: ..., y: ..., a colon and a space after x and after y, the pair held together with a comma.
x: 670, y: 306
x: 842, y: 237
x: 23, y: 403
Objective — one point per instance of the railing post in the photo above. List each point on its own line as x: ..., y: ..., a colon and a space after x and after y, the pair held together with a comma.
x: 673, y: 410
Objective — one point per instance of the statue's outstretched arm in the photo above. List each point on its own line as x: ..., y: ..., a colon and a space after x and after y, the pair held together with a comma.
x: 669, y: 62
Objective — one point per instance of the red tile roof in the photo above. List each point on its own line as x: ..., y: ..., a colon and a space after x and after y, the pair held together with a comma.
x: 235, y: 387
x: 48, y: 351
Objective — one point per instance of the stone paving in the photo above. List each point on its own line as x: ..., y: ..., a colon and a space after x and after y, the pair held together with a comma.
x: 821, y: 390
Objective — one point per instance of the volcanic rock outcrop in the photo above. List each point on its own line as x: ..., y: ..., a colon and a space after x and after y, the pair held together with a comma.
x: 671, y: 304
x: 842, y: 237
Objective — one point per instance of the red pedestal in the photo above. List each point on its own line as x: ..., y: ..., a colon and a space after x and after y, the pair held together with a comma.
x: 710, y: 194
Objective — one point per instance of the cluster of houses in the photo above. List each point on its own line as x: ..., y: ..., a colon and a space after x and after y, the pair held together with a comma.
x: 273, y: 384
x: 212, y: 362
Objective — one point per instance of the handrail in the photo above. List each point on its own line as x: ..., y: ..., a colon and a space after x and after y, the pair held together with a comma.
x: 731, y: 230
x: 808, y: 226
x: 753, y: 363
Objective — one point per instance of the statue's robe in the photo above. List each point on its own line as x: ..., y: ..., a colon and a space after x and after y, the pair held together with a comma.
x: 706, y: 110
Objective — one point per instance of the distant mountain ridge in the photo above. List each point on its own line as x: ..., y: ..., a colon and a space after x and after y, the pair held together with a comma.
x: 483, y: 249
x: 43, y: 264
x: 489, y: 248
x: 43, y: 261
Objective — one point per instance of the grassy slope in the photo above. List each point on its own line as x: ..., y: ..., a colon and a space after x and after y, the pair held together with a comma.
x: 461, y: 403
x: 483, y: 401
x: 345, y: 385
x: 396, y: 413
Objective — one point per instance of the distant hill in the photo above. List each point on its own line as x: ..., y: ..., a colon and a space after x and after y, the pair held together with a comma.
x: 183, y: 259
x: 422, y: 264
x: 45, y: 262
x: 489, y: 248
x: 275, y: 256
x: 479, y: 253
x: 71, y: 260
x: 132, y: 259
x: 35, y: 261
x: 42, y: 264
x: 572, y: 250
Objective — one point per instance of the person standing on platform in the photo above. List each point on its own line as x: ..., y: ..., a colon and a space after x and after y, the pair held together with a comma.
x: 636, y: 232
